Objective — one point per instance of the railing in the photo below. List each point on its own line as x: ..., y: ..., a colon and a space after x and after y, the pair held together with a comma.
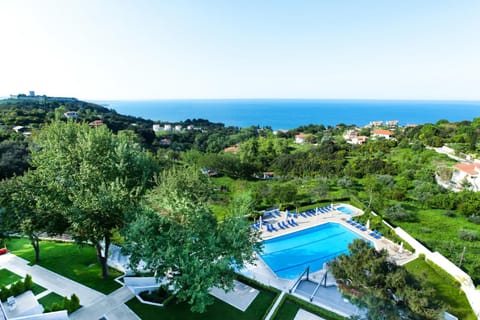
x: 307, y: 270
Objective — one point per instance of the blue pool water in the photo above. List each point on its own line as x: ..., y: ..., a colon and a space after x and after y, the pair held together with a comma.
x: 289, y: 255
x: 345, y: 210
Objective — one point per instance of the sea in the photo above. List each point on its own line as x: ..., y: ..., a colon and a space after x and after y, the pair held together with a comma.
x: 289, y: 114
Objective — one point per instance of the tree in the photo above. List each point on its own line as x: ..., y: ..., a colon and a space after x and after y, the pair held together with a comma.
x: 96, y: 176
x: 284, y: 193
x: 25, y: 211
x: 387, y: 290
x: 13, y: 158
x: 178, y: 238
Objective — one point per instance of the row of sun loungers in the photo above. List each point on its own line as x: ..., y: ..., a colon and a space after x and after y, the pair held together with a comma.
x: 375, y: 234
x: 282, y: 225
x: 313, y: 212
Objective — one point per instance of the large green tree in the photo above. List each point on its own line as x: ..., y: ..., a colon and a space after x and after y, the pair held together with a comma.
x: 179, y: 238
x: 387, y: 290
x: 96, y: 177
x: 29, y: 210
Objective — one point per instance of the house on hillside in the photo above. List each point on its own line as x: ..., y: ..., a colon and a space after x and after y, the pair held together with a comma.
x: 467, y: 175
x: 381, y: 133
x: 302, y: 137
x: 391, y: 123
x: 157, y: 127
x: 96, y: 123
x: 71, y: 114
x: 232, y: 149
x: 352, y: 137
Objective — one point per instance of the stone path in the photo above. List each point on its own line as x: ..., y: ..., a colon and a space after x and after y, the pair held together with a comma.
x: 50, y: 280
x: 94, y: 304
x: 111, y: 306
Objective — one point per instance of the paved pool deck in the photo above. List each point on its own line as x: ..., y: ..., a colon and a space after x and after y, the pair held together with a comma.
x: 328, y: 298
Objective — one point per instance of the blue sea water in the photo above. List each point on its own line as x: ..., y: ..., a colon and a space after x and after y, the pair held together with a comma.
x: 288, y: 114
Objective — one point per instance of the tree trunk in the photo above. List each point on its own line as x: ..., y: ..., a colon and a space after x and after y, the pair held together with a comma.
x: 102, y: 259
x: 35, y: 241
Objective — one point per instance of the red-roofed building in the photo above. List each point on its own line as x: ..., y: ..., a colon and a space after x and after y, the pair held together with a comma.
x: 233, y: 149
x: 382, y: 133
x: 301, y: 137
x: 96, y: 123
x: 467, y: 175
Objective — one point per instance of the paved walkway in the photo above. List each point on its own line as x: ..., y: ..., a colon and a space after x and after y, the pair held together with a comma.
x: 111, y: 306
x: 50, y: 280
x: 94, y: 304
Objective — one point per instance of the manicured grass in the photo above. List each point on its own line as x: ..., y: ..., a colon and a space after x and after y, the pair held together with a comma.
x: 70, y: 260
x: 50, y: 299
x: 287, y: 311
x: 291, y: 304
x: 446, y: 288
x: 7, y: 277
x: 36, y: 289
x: 218, y: 311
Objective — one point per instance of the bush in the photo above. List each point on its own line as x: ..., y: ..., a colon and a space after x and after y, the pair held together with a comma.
x: 474, y: 219
x: 74, y: 303
x: 398, y: 213
x: 17, y: 288
x: 468, y: 235
x: 450, y: 214
x: 70, y: 305
x: 28, y: 283
x: 4, y: 293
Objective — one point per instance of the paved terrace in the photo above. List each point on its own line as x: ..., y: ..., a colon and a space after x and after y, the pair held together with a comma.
x: 397, y: 254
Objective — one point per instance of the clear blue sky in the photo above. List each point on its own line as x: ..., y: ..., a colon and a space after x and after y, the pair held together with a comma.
x: 115, y: 49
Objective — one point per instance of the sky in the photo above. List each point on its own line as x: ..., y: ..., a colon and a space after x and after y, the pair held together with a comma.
x: 320, y: 49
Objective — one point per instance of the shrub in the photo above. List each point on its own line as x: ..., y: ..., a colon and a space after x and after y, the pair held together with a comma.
x: 28, y: 282
x: 4, y: 293
x: 468, y: 235
x: 398, y: 213
x: 17, y: 288
x: 74, y: 303
x: 450, y: 214
x: 474, y: 219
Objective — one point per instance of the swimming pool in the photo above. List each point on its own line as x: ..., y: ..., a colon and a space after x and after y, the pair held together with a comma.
x: 345, y: 210
x: 289, y: 255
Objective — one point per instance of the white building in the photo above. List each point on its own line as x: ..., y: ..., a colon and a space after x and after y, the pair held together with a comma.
x: 178, y: 127
x: 467, y: 174
x: 157, y: 127
x: 301, y: 138
x: 167, y: 127
x: 381, y: 133
x: 391, y: 123
x: 71, y: 114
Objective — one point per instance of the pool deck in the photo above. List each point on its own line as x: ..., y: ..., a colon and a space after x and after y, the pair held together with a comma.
x: 397, y: 254
x: 262, y: 273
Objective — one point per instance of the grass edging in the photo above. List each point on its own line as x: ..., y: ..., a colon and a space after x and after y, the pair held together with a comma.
x: 324, y: 313
x: 258, y: 285
x: 274, y: 314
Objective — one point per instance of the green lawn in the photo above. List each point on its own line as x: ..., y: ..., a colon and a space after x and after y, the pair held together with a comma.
x: 7, y: 277
x: 70, y: 260
x: 36, y: 289
x: 446, y: 288
x: 290, y: 306
x: 50, y: 299
x: 440, y: 233
x: 218, y: 311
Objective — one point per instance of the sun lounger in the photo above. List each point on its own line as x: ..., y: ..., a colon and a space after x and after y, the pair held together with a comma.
x: 293, y: 222
x: 302, y: 214
x: 280, y: 225
x: 284, y: 224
